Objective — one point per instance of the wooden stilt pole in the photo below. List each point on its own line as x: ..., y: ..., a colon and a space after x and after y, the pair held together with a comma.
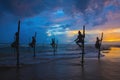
x: 100, y: 46
x: 83, y: 50
x: 54, y: 51
x: 17, y: 47
x: 34, y: 48
x: 54, y: 47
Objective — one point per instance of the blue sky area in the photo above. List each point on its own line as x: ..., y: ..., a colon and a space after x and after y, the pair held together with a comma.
x: 60, y: 19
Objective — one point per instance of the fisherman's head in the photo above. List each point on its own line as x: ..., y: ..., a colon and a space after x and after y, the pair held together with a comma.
x: 16, y: 33
x: 32, y: 37
x: 79, y: 32
x: 97, y: 38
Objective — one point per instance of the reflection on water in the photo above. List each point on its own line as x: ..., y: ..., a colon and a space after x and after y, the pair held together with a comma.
x: 113, y: 54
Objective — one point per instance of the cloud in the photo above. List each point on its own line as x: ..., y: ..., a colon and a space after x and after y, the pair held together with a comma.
x: 90, y: 9
x: 26, y: 8
x: 44, y: 16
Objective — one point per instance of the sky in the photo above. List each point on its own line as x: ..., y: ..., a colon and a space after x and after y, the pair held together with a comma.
x: 60, y: 19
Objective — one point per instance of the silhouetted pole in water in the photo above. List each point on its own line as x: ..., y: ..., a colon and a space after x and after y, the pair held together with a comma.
x: 35, y: 45
x: 83, y: 49
x: 17, y: 42
x: 98, y: 44
x: 56, y: 45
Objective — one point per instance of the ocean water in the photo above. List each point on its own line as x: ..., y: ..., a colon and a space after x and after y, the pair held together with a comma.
x: 65, y: 65
x: 113, y: 54
x: 63, y: 50
x: 8, y: 54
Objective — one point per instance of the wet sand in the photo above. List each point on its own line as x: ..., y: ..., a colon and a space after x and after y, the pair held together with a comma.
x: 65, y: 67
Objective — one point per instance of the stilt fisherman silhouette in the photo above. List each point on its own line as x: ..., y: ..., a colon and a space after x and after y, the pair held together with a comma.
x: 15, y: 43
x: 53, y: 44
x: 79, y: 39
x: 98, y: 42
x: 32, y: 44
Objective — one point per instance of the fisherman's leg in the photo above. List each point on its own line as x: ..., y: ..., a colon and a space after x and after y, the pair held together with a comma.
x: 78, y: 44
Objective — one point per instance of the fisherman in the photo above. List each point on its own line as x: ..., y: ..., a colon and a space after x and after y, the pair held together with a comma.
x: 79, y: 39
x: 33, y: 43
x: 98, y: 43
x: 53, y: 44
x: 15, y: 43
